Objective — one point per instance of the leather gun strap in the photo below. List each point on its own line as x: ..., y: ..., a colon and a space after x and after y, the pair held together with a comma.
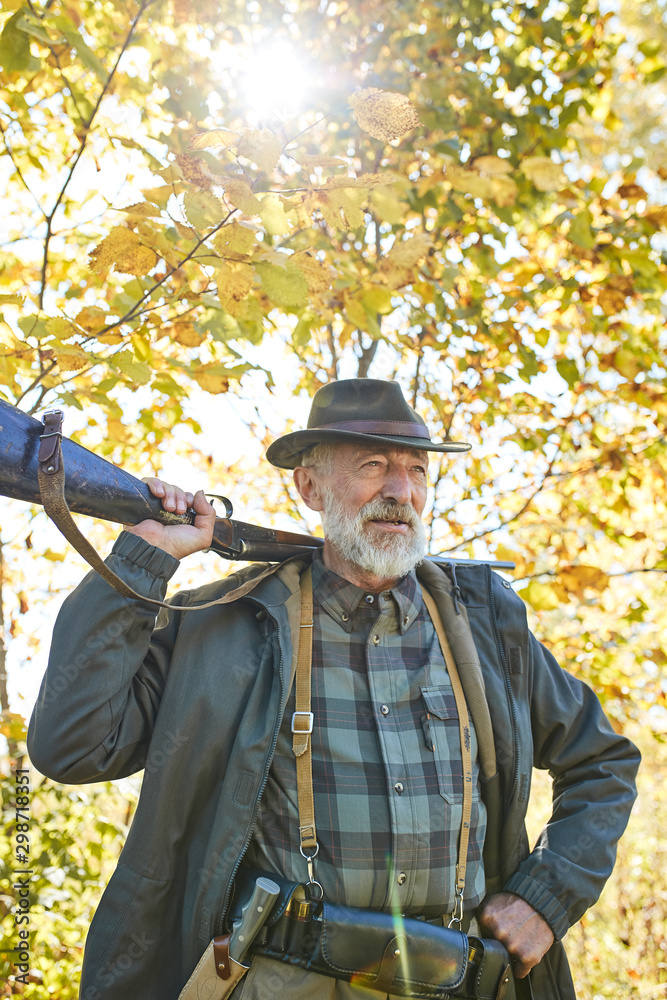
x: 464, y: 732
x: 302, y: 722
x: 51, y: 478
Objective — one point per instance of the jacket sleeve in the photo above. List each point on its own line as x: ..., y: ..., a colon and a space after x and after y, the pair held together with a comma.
x: 593, y: 770
x: 101, y: 691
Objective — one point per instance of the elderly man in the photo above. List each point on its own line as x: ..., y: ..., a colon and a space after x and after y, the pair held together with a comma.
x: 405, y: 817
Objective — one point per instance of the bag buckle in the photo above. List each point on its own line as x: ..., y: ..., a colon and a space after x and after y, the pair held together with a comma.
x: 310, y: 718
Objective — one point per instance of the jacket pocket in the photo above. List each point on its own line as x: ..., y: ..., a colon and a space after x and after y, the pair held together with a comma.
x: 441, y: 730
x: 123, y: 943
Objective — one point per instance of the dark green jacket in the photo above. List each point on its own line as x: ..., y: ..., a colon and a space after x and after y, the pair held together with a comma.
x: 197, y: 702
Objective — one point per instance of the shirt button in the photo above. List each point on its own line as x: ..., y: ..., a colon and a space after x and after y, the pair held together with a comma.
x: 384, y: 709
x: 370, y: 599
x: 345, y: 617
x: 406, y: 619
x: 376, y: 640
x: 398, y: 787
x: 401, y: 878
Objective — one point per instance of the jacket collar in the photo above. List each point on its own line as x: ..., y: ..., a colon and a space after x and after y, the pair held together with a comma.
x: 287, y: 576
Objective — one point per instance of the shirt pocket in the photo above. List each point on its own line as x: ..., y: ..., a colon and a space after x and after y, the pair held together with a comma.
x: 441, y: 732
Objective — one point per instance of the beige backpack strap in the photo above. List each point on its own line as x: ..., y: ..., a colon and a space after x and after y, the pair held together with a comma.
x: 466, y: 755
x: 302, y: 728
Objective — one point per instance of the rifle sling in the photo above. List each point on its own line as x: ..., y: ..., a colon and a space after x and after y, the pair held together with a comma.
x: 51, y: 478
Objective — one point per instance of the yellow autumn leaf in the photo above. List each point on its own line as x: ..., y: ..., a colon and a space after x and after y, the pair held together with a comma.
x: 159, y: 195
x: 503, y: 191
x: 387, y: 206
x: 217, y: 137
x: 202, y: 209
x: 110, y: 338
x: 350, y: 203
x: 145, y: 208
x: 239, y: 193
x: 540, y: 596
x: 544, y: 173
x: 398, y: 267
x: 272, y: 214
x: 123, y: 250
x: 260, y: 146
x: 185, y: 334
x: 234, y: 241
x: 611, y: 301
x: 62, y: 329
x: 234, y: 282
x: 378, y: 300
x: 311, y: 162
x: 91, y: 318
x: 576, y: 578
x: 494, y: 166
x: 383, y: 114
x: 356, y: 314
x: 318, y: 276
x: 137, y: 371
x: 212, y: 378
x: 195, y: 170
x: 367, y: 181
x: 70, y: 358
x: 468, y: 181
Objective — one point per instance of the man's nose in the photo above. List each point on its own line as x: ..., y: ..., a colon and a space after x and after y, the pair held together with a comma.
x: 397, y: 486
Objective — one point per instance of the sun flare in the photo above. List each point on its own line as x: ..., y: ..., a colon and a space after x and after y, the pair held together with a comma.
x: 275, y: 81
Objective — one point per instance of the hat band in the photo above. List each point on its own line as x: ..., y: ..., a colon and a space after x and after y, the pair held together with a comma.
x: 399, y: 428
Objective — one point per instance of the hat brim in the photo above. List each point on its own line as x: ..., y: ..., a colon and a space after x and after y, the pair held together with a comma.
x: 285, y: 453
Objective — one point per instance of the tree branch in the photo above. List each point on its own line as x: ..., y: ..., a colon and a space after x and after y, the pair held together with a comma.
x: 79, y: 154
x: 509, y: 520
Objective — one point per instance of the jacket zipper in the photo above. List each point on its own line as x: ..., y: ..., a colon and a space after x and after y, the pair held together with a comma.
x: 506, y: 678
x: 237, y: 865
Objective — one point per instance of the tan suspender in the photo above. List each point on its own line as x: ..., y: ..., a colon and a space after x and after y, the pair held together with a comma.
x: 302, y: 728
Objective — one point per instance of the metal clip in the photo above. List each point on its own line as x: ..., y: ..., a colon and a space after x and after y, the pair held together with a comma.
x: 456, y: 919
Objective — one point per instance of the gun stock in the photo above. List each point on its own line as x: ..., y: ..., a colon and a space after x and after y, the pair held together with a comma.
x: 98, y: 488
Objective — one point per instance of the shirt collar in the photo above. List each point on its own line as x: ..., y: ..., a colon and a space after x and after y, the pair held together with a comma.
x: 340, y: 598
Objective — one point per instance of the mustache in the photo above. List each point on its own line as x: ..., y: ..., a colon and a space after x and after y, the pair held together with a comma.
x: 388, y: 510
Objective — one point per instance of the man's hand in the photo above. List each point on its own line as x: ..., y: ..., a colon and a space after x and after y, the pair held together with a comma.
x: 512, y: 921
x: 178, y: 540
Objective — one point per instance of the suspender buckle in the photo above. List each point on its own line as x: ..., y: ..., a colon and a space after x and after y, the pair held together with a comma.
x: 300, y: 730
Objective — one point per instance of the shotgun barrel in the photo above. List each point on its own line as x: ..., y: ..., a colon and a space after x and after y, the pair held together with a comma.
x: 98, y: 488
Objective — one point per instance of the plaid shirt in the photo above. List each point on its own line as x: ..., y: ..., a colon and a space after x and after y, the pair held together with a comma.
x: 387, y: 774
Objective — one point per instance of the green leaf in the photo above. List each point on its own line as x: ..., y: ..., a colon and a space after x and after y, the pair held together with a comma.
x: 138, y: 371
x: 272, y: 214
x: 568, y: 370
x: 580, y: 231
x: 285, y: 286
x: 82, y: 49
x: 15, y: 54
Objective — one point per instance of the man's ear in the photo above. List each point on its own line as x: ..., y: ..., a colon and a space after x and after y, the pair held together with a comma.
x: 306, y: 482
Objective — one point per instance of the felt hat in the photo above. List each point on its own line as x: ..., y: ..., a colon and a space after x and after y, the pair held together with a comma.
x: 363, y: 411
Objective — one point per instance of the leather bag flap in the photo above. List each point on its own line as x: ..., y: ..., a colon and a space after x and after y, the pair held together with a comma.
x: 431, y: 959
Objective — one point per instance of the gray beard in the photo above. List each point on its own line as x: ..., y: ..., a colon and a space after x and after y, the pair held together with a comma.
x: 393, y: 556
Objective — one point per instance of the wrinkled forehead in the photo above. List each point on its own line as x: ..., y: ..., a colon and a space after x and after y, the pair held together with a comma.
x: 347, y: 451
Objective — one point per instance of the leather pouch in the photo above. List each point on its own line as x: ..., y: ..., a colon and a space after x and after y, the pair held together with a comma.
x: 403, y: 956
x: 398, y: 955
